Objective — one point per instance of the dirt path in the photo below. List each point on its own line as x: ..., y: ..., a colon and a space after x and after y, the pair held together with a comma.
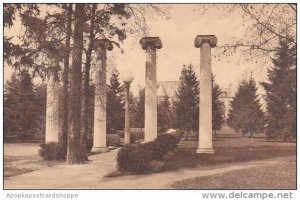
x: 91, y: 175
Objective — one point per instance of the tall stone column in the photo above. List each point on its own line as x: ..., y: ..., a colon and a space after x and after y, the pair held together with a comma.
x: 99, y: 142
x: 150, y: 44
x: 205, y: 42
x: 52, y: 120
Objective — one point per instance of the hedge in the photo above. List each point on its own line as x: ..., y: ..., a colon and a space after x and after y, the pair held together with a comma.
x: 136, y: 157
x: 52, y: 151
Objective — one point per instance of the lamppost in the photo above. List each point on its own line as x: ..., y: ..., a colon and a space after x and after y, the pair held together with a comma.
x: 127, y: 79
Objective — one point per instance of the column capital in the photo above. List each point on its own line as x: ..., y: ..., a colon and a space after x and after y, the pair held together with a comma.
x: 104, y: 44
x: 152, y: 42
x: 201, y: 39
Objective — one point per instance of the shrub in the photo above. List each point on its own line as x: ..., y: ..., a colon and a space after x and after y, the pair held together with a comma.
x: 136, y: 136
x: 157, y: 150
x: 113, y: 140
x: 167, y: 140
x: 156, y: 166
x: 134, y: 158
x: 52, y: 151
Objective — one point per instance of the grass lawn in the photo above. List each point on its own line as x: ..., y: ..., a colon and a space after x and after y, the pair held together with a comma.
x: 20, y: 158
x: 282, y: 176
x: 229, y: 148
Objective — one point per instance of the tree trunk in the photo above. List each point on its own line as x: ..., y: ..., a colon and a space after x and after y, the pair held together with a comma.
x: 74, y: 155
x: 86, y: 88
x: 65, y: 79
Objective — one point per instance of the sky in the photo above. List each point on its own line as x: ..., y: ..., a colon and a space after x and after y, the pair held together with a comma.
x: 177, y: 35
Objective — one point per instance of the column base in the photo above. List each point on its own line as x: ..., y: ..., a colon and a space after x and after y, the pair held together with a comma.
x: 205, y: 150
x: 99, y: 150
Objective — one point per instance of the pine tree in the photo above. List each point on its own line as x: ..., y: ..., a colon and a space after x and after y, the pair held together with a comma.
x: 40, y: 93
x: 245, y: 114
x: 138, y: 115
x: 186, y: 105
x: 281, y: 94
x: 163, y: 115
x: 20, y: 108
x: 218, y: 107
x: 115, y: 103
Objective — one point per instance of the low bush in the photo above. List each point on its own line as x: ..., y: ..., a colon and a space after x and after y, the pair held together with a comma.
x: 136, y: 137
x: 157, y: 150
x: 113, y: 140
x: 136, y: 157
x: 52, y: 151
x: 156, y: 166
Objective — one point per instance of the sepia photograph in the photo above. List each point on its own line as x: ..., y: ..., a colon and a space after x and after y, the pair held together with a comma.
x: 150, y: 96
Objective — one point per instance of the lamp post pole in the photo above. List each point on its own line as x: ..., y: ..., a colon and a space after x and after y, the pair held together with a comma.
x: 127, y: 117
x: 127, y: 79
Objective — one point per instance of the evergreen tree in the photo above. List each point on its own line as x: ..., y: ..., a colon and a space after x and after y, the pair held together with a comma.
x: 163, y: 115
x: 245, y: 114
x: 281, y: 94
x: 218, y: 107
x: 40, y: 102
x: 20, y: 108
x: 115, y: 103
x: 138, y: 114
x: 186, y: 105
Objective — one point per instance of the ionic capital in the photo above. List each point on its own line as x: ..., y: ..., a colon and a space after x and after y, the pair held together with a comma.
x: 152, y: 42
x: 201, y: 39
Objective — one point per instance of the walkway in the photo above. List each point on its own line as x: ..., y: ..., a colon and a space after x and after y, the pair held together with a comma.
x: 91, y: 175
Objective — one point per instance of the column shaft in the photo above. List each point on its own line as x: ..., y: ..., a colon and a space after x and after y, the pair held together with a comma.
x: 52, y: 120
x: 150, y: 95
x: 205, y: 103
x: 99, y: 143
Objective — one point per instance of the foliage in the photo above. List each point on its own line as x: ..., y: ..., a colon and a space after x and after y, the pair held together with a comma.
x: 163, y: 115
x: 113, y: 140
x: 264, y: 25
x: 52, y: 151
x: 186, y: 105
x: 43, y: 44
x: 136, y: 136
x: 137, y: 157
x: 134, y: 158
x: 138, y: 110
x: 218, y: 107
x: 281, y: 92
x: 24, y: 107
x: 245, y: 114
x: 115, y: 104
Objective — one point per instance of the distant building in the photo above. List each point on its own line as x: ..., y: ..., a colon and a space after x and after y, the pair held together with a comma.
x: 167, y: 89
x: 226, y: 97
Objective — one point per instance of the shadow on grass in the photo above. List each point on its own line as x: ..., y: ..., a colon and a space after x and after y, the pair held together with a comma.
x: 17, y: 165
x: 188, y: 158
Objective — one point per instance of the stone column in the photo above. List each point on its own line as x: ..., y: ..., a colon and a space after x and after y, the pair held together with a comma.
x: 205, y: 42
x: 150, y: 44
x: 99, y: 142
x: 52, y: 120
